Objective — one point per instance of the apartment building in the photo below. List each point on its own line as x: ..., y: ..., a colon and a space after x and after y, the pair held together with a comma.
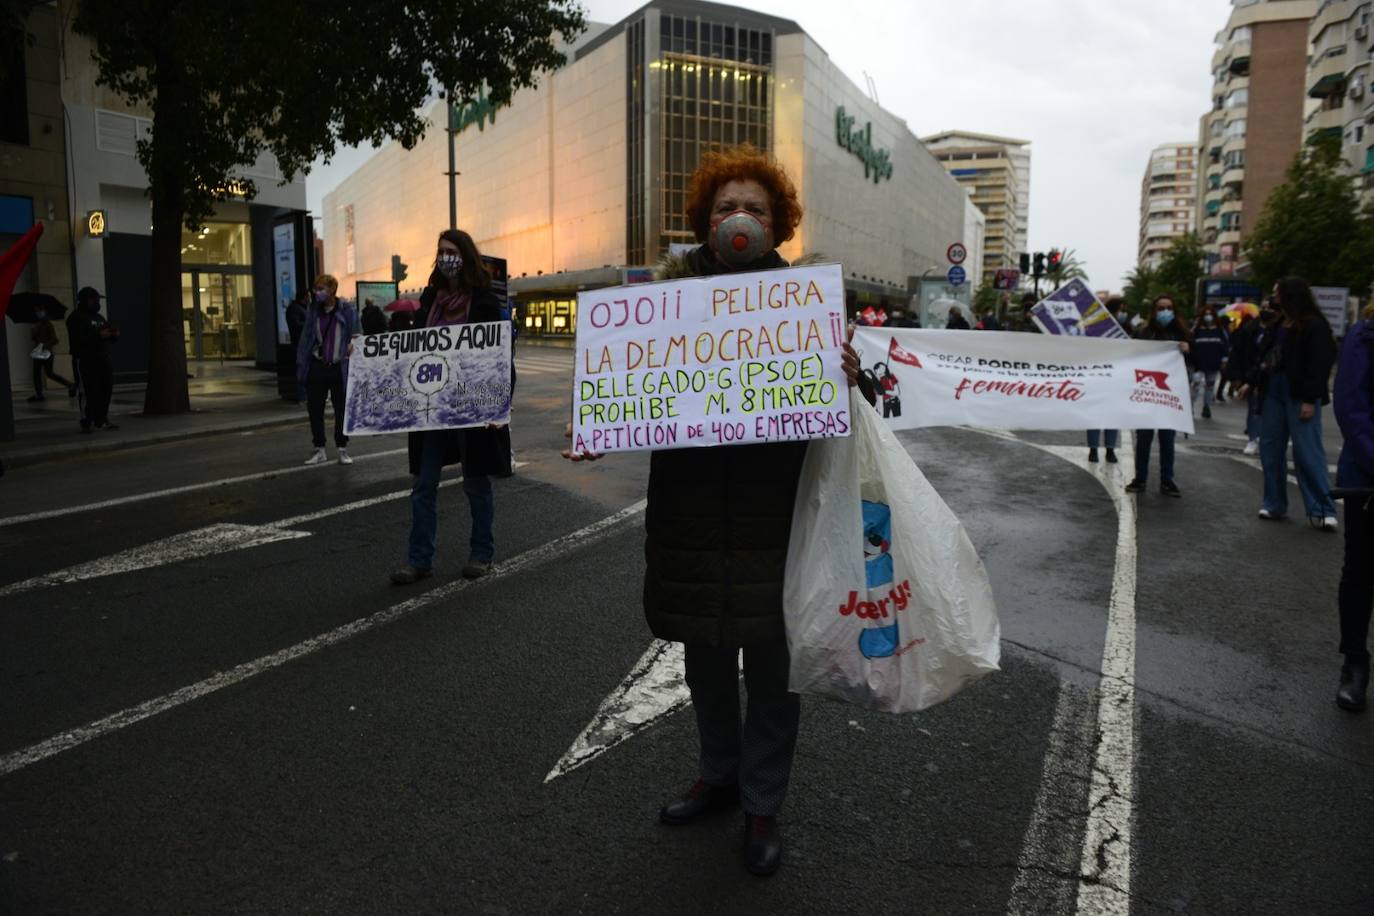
x: 1168, y: 200
x: 997, y: 171
x: 1255, y: 124
x: 1338, y: 70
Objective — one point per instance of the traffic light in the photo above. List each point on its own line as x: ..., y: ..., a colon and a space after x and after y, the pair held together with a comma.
x: 398, y: 270
x: 1039, y: 264
x: 1025, y: 264
x: 1055, y: 258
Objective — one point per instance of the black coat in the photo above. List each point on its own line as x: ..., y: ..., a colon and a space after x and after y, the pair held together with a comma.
x: 1309, y: 353
x: 1244, y: 355
x: 482, y: 452
x: 1174, y: 331
x: 717, y: 525
x: 373, y: 321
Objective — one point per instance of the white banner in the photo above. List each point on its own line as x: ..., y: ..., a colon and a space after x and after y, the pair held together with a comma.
x: 720, y: 360
x: 1004, y: 380
x: 446, y: 377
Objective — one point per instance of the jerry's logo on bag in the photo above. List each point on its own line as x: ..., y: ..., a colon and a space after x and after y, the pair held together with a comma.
x: 884, y: 640
x: 898, y: 599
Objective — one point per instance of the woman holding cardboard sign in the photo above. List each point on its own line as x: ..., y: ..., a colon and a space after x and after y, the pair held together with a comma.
x: 717, y: 524
x: 459, y: 292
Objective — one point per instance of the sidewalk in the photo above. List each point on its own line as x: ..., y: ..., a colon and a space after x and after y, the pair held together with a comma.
x: 227, y: 398
x: 232, y: 397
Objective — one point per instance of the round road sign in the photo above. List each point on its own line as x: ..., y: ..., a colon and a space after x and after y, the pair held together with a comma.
x: 956, y: 253
x: 956, y: 276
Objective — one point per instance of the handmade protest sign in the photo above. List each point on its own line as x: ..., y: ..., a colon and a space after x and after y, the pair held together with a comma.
x: 1026, y: 381
x: 1074, y: 311
x: 719, y: 360
x: 445, y: 377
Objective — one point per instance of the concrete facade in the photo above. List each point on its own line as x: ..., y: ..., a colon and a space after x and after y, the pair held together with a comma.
x: 582, y: 178
x: 996, y: 171
x: 1255, y: 125
x: 1168, y: 200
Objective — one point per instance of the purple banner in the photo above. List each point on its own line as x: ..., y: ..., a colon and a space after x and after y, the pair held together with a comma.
x: 1073, y: 311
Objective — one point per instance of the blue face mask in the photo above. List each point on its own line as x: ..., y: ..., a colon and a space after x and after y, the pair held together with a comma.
x: 1165, y: 316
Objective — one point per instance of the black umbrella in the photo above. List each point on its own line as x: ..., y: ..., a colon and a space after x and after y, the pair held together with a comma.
x: 31, y: 308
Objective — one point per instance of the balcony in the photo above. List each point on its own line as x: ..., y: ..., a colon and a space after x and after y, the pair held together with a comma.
x: 1233, y: 177
x: 1239, y: 61
x: 1233, y: 145
x: 1324, y: 119
x: 1213, y: 194
x: 1327, y: 74
x: 1233, y: 205
x: 1228, y: 237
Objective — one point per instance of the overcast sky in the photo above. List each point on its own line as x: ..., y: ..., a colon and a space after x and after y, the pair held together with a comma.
x: 1094, y: 86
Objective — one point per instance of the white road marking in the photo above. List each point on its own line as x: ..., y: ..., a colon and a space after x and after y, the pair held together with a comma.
x: 189, y: 488
x: 653, y: 689
x: 189, y: 545
x: 203, y: 542
x: 1105, y: 863
x: 65, y: 741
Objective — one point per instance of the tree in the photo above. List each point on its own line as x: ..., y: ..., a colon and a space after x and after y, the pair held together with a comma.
x: 1181, y: 268
x: 227, y: 81
x: 1070, y: 268
x: 986, y: 298
x: 1312, y: 225
x: 1141, y: 286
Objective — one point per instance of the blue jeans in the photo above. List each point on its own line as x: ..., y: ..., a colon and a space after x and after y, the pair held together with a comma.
x: 1144, y: 439
x: 1254, y: 421
x: 1281, y: 423
x: 1095, y: 437
x: 1204, y: 383
x: 424, y: 505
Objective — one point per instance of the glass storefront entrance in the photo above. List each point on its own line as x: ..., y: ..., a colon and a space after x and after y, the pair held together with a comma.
x: 550, y: 317
x: 218, y: 314
x: 217, y: 305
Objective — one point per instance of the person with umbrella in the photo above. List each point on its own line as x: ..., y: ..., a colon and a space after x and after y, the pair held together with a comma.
x: 43, y: 354
x: 90, y: 336
x: 402, y: 314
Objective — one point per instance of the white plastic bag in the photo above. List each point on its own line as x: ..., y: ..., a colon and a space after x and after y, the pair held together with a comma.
x: 886, y: 601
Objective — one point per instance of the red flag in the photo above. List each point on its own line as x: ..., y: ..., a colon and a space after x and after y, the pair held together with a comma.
x: 868, y: 316
x: 898, y: 354
x: 12, y: 264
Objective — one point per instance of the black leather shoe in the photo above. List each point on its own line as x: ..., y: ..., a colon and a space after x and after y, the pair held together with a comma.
x: 1136, y: 486
x: 699, y: 800
x: 1092, y: 455
x: 1354, y: 684
x: 762, y: 844
x: 1111, y: 456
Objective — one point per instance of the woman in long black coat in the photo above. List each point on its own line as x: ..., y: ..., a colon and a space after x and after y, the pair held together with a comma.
x: 459, y: 292
x: 717, y: 525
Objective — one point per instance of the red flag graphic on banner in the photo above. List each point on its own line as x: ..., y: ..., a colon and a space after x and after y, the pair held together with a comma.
x: 12, y: 264
x: 898, y: 354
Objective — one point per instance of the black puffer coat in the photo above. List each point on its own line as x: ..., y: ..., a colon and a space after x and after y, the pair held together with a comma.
x: 482, y: 452
x: 717, y: 523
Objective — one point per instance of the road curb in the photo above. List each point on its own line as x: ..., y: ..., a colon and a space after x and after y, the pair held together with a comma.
x: 30, y: 457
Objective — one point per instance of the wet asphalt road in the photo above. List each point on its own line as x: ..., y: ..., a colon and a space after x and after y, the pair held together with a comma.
x: 402, y: 770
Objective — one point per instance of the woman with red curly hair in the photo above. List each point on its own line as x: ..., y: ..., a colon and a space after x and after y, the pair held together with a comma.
x: 717, y: 526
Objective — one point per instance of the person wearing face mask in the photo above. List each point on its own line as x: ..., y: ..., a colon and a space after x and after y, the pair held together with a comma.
x: 1210, y: 346
x: 459, y: 292
x: 1164, y: 325
x: 90, y: 337
x: 322, y: 363
x: 717, y: 526
x: 1293, y: 377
